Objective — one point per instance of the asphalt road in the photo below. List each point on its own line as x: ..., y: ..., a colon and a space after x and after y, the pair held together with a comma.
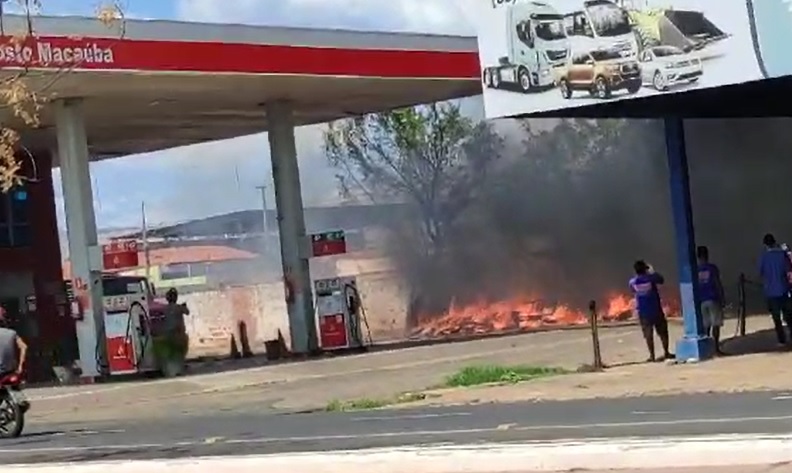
x: 251, y: 433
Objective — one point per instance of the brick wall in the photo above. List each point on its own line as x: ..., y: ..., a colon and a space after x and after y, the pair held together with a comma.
x: 216, y: 314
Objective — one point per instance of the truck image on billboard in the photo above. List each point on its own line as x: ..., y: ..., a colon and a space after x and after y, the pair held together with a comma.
x: 536, y: 44
x: 542, y: 55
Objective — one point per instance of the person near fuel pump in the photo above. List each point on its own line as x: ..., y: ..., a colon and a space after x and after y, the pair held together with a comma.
x: 645, y: 287
x: 171, y: 341
x: 774, y: 269
x: 711, y: 295
x: 13, y: 349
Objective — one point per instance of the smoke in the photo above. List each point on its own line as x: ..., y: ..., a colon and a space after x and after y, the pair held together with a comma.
x: 567, y: 210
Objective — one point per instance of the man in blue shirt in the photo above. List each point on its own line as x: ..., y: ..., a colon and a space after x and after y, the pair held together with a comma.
x: 775, y: 268
x: 711, y: 296
x: 644, y: 286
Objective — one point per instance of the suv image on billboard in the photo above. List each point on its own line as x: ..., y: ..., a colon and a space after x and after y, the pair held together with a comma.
x: 600, y: 73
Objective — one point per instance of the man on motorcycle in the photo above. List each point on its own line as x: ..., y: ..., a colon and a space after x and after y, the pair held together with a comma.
x: 13, y: 350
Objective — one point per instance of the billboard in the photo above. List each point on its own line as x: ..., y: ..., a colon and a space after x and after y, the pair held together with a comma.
x: 543, y: 55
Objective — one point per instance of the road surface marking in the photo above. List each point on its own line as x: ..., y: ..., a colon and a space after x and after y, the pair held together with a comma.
x: 622, y: 454
x: 649, y: 413
x: 783, y: 397
x: 213, y: 440
x: 411, y: 416
x: 505, y: 426
x: 417, y: 434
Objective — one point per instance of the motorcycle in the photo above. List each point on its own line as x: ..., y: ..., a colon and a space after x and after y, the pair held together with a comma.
x: 13, y: 406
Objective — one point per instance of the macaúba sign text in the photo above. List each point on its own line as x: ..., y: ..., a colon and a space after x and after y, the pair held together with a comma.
x: 45, y: 53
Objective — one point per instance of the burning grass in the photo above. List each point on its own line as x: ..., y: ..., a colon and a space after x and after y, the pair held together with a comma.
x: 518, y: 314
x: 492, y: 374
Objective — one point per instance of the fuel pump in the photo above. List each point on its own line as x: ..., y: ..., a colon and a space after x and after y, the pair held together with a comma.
x: 340, y: 314
x: 128, y: 336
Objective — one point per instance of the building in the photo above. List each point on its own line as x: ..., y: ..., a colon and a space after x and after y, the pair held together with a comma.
x: 229, y: 249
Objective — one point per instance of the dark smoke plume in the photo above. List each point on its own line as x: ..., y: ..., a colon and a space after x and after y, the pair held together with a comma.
x: 567, y: 210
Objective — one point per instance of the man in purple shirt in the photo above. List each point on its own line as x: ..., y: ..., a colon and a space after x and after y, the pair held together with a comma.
x: 711, y: 296
x: 644, y: 286
x: 774, y: 268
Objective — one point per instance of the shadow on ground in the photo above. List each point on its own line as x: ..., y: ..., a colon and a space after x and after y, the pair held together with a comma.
x: 763, y: 341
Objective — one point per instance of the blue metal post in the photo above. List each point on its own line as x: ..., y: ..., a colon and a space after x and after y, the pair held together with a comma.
x: 695, y: 345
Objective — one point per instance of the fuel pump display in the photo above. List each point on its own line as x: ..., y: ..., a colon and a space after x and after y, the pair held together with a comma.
x: 340, y: 315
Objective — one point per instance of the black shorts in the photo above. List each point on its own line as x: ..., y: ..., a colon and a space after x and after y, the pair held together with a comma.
x: 659, y: 324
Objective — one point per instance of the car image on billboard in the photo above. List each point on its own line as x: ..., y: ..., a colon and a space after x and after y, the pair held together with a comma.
x: 544, y: 55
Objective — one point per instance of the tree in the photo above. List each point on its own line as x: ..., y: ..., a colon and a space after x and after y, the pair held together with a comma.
x: 21, y: 91
x: 431, y: 156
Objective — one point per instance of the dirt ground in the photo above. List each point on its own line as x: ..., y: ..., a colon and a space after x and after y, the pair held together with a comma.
x: 379, y: 375
x: 754, y: 365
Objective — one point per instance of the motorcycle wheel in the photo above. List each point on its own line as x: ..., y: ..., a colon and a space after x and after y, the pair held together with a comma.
x: 12, y: 419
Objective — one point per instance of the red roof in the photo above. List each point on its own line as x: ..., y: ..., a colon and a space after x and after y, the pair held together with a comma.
x: 184, y: 254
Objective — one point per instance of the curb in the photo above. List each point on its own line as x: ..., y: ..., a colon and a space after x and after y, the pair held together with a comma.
x: 606, y: 454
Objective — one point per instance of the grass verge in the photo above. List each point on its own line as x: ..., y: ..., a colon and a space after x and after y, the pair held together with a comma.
x: 364, y: 404
x: 494, y: 374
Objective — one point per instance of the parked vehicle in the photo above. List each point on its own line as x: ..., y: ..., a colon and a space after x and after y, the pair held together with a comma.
x: 600, y: 73
x: 13, y: 406
x: 536, y: 44
x: 663, y: 67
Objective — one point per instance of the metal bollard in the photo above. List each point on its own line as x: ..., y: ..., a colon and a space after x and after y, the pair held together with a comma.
x: 594, y: 322
x: 742, y: 308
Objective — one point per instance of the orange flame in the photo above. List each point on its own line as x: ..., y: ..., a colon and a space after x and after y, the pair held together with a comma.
x: 520, y: 314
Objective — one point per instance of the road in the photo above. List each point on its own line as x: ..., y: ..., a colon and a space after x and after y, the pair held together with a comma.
x: 240, y: 433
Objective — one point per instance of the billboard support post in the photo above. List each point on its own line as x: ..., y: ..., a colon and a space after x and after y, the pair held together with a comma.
x: 695, y: 345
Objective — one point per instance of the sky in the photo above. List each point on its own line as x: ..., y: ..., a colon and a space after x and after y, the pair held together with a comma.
x: 200, y: 167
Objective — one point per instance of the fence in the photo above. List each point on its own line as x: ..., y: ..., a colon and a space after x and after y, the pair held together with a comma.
x: 750, y: 301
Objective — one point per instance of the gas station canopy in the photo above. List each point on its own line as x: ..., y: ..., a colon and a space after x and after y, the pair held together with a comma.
x: 149, y: 85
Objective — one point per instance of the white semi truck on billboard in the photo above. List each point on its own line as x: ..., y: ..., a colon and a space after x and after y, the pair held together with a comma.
x: 536, y: 44
x: 601, y: 25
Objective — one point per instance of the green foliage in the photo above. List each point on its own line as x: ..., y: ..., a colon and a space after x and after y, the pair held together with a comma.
x: 431, y: 156
x: 489, y: 374
x: 363, y: 404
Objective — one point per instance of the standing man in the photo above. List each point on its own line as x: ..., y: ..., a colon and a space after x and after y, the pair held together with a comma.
x: 711, y: 295
x: 774, y: 268
x: 13, y: 350
x: 171, y: 344
x: 644, y: 286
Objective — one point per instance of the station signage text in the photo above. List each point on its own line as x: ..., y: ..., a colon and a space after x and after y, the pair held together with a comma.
x: 44, y: 53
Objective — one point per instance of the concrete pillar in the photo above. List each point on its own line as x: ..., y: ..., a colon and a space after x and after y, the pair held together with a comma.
x: 291, y: 223
x: 84, y: 253
x: 694, y: 345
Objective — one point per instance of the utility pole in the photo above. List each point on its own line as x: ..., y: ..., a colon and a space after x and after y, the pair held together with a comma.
x: 144, y: 234
x: 263, y: 190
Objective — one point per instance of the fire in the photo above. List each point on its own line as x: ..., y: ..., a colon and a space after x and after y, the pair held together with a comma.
x: 520, y: 314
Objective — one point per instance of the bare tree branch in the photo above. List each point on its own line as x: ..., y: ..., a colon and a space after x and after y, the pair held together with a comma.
x: 22, y: 98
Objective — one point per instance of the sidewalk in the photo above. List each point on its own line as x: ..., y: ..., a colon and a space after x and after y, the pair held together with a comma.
x: 724, y: 454
x: 381, y: 375
x: 763, y: 371
x: 312, y: 384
